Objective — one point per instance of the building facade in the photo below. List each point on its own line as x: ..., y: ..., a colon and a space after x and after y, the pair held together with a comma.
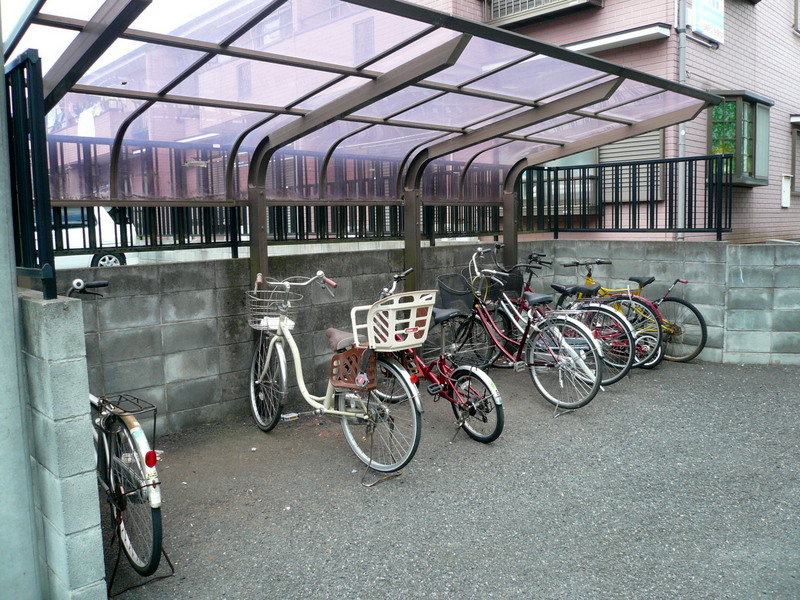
x: 744, y: 50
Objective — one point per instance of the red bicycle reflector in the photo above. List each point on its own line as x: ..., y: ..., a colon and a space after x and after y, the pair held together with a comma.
x: 150, y: 459
x: 414, y: 378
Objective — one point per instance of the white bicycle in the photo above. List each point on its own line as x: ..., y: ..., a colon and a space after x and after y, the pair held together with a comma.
x: 372, y: 394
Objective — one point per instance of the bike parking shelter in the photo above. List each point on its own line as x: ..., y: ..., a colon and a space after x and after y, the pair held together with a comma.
x: 276, y: 103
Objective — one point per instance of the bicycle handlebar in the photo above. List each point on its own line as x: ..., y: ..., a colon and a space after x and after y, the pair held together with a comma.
x: 83, y: 287
x: 388, y: 291
x: 324, y: 282
x: 586, y: 263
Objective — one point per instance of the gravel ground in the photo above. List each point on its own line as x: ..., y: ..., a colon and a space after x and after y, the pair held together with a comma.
x: 681, y: 482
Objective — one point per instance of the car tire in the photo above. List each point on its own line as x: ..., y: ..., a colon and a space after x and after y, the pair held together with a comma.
x: 108, y: 260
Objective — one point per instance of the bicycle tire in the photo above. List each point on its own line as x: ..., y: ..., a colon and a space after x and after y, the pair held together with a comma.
x: 387, y: 438
x: 685, y: 330
x: 481, y: 415
x: 472, y: 345
x: 133, y: 497
x: 267, y: 393
x: 616, y: 337
x: 564, y: 362
x: 646, y: 322
x: 656, y: 359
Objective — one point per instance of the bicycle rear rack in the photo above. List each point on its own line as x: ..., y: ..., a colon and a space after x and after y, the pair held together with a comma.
x: 126, y: 405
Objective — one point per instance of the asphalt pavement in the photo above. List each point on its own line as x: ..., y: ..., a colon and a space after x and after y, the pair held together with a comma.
x: 680, y: 482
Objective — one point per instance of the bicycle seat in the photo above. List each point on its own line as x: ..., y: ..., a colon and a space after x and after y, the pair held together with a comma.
x: 642, y: 281
x: 339, y: 339
x: 571, y: 290
x: 440, y: 315
x: 532, y: 298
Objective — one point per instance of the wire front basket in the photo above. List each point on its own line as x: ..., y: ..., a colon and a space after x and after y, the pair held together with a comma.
x: 265, y: 307
x: 455, y: 292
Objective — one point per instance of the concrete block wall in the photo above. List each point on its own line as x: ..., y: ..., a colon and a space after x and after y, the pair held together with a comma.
x: 176, y: 334
x: 763, y: 321
x: 62, y: 461
x: 172, y: 334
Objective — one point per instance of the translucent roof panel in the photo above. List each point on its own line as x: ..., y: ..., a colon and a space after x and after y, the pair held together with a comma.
x: 537, y: 78
x: 252, y: 81
x: 139, y: 67
x: 346, y: 99
x: 349, y: 35
x: 455, y: 110
x: 48, y: 42
x: 578, y: 129
x: 652, y: 106
x: 481, y: 57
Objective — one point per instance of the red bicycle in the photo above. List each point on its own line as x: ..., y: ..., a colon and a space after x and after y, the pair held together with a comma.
x: 472, y: 394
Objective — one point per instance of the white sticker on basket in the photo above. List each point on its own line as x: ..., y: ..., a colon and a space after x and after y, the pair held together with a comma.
x: 272, y: 323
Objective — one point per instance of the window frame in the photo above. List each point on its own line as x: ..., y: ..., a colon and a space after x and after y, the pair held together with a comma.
x: 795, y: 159
x: 796, y: 23
x: 751, y: 137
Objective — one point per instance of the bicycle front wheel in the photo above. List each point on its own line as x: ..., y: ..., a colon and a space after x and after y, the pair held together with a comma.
x: 685, y: 331
x: 384, y: 425
x: 267, y: 383
x: 564, y: 363
x: 472, y: 344
x: 646, y: 322
x: 479, y: 408
x: 132, y: 498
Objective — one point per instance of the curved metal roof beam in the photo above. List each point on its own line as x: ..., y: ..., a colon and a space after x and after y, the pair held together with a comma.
x: 116, y: 147
x: 323, y: 168
x: 510, y: 183
x: 423, y: 66
x: 575, y: 101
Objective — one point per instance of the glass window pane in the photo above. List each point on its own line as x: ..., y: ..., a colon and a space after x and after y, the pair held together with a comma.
x: 762, y: 141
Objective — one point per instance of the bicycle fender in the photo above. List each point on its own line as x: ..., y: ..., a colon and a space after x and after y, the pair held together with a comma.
x: 480, y: 372
x: 417, y: 400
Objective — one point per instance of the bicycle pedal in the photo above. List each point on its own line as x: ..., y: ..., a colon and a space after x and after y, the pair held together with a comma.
x: 290, y: 416
x: 520, y: 366
x: 435, y: 389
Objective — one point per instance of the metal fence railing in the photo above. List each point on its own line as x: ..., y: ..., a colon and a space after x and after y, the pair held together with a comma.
x: 691, y: 195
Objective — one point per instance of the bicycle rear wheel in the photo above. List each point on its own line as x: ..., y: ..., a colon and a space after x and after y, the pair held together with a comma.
x: 481, y: 414
x: 564, y: 363
x: 685, y: 331
x: 267, y: 383
x: 616, y: 339
x: 385, y: 426
x: 135, y: 503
